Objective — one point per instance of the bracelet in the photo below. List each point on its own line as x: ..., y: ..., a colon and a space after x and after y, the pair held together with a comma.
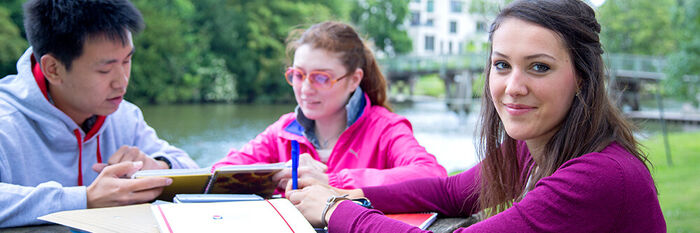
x: 331, y: 200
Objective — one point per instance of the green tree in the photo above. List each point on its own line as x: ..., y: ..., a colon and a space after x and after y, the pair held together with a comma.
x: 383, y: 22
x: 250, y: 37
x: 637, y: 26
x: 487, y: 7
x: 683, y: 64
x: 169, y: 54
x: 12, y: 45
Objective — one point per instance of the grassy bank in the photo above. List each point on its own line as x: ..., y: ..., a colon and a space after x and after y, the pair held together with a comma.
x: 678, y: 185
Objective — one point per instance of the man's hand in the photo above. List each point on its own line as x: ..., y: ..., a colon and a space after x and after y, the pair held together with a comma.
x: 308, y: 168
x: 131, y: 154
x: 111, y: 189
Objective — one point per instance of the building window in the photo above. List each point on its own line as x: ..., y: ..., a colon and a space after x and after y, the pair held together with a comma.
x: 449, y: 48
x: 415, y: 18
x: 481, y: 26
x: 429, y: 22
x: 429, y: 43
x: 453, y: 27
x: 456, y: 6
x: 431, y: 5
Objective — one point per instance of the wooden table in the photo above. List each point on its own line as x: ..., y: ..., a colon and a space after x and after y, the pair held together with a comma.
x: 441, y: 225
x: 37, y: 229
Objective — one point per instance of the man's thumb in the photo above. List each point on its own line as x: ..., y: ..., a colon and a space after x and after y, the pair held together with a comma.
x: 123, y: 169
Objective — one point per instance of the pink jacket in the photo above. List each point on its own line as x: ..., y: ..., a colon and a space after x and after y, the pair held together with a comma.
x: 378, y: 149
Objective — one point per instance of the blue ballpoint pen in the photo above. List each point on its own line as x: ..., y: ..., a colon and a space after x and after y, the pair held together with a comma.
x: 295, y: 163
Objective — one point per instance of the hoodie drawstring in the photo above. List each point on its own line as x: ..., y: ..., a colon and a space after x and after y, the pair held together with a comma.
x: 80, y: 155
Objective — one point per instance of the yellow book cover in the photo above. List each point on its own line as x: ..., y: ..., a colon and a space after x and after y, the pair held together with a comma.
x: 185, y: 181
x: 233, y: 179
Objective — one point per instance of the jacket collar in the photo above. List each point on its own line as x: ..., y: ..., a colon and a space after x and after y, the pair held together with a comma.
x: 302, y: 126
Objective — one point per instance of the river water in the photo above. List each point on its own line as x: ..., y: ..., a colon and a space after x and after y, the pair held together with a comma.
x: 207, y: 132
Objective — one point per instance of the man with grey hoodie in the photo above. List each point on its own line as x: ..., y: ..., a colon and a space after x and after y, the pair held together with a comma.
x: 68, y: 139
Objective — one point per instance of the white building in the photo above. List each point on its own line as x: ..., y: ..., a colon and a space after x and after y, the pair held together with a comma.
x: 443, y: 27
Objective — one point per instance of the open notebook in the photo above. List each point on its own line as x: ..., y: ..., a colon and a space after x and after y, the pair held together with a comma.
x: 273, y: 215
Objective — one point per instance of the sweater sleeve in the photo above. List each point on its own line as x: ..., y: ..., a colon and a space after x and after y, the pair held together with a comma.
x: 148, y: 141
x: 450, y: 196
x: 407, y: 160
x: 585, y: 194
x: 21, y: 205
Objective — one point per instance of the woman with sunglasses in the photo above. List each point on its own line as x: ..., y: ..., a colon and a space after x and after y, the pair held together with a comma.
x: 347, y: 135
x: 558, y: 156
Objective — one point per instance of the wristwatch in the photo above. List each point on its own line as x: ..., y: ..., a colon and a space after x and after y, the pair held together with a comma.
x: 364, y: 202
x: 165, y: 160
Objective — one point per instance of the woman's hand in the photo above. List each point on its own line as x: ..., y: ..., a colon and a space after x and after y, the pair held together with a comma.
x: 308, y: 168
x: 311, y: 199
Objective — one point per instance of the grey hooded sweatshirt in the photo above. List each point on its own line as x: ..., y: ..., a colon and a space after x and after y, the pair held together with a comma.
x: 45, y: 157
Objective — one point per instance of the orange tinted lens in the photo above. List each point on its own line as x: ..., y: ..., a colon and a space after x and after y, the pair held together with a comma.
x: 294, y: 76
x: 321, y: 79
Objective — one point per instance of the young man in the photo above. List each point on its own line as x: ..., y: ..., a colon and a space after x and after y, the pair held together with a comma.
x: 67, y: 137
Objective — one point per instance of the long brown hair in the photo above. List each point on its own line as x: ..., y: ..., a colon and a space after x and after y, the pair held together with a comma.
x: 342, y: 39
x: 591, y: 124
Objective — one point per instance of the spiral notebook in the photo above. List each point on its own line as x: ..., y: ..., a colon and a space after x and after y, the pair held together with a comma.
x: 420, y: 220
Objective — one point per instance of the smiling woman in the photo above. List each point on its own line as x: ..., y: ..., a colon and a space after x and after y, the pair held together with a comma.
x: 557, y: 156
x: 532, y: 83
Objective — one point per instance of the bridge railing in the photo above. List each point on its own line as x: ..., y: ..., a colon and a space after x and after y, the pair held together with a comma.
x: 635, y: 63
x: 438, y: 63
x: 477, y: 61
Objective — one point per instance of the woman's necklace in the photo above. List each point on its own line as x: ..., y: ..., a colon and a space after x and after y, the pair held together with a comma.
x: 325, y: 142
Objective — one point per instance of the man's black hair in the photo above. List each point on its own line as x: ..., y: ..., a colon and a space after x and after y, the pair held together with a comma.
x: 61, y: 27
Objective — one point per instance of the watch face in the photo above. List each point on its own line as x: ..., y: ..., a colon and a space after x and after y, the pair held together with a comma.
x: 364, y: 202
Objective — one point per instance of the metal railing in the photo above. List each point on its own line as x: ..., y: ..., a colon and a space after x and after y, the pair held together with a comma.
x: 477, y: 61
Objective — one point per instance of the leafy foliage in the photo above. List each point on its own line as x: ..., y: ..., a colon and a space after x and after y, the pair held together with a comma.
x: 12, y: 45
x: 249, y: 36
x: 202, y: 50
x: 683, y: 68
x: 383, y: 20
x: 168, y: 54
x: 637, y: 26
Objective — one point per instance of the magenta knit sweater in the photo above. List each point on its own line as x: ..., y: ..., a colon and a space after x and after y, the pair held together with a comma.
x: 610, y: 191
